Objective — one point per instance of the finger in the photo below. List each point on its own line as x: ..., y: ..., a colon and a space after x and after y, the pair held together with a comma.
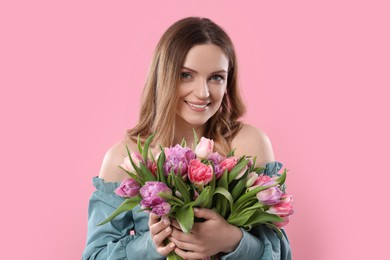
x: 159, y: 238
x: 188, y: 254
x: 183, y: 245
x: 181, y: 236
x: 159, y: 226
x: 205, y: 213
x: 153, y: 218
x: 165, y: 250
x: 175, y: 224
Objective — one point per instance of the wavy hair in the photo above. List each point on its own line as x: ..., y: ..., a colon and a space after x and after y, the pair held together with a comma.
x: 160, y: 94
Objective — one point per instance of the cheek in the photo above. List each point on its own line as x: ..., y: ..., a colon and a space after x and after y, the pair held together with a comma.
x: 184, y: 90
x: 218, y: 94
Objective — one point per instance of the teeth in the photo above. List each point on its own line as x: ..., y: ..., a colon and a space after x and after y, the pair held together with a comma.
x: 197, y: 106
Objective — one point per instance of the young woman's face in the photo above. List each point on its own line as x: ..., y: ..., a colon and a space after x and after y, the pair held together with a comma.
x: 202, y: 87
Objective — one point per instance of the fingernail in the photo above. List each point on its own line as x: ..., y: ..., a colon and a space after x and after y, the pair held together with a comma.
x: 166, y: 222
x: 168, y: 229
x: 171, y: 245
x: 196, y: 210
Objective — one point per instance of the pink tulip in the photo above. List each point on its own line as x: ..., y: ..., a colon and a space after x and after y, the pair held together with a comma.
x: 204, y: 148
x: 228, y: 163
x: 199, y: 173
x: 263, y: 180
x: 283, y: 223
x: 137, y: 159
x: 283, y: 209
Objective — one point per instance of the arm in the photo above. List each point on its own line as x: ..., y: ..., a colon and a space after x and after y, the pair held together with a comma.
x: 113, y: 240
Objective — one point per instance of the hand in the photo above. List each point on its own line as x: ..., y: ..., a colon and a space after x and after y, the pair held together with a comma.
x: 207, y: 238
x: 159, y: 231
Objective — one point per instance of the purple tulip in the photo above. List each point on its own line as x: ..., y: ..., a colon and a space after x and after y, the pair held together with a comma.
x: 151, y: 192
x: 178, y: 157
x: 270, y: 196
x: 161, y: 209
x: 216, y: 158
x: 128, y: 188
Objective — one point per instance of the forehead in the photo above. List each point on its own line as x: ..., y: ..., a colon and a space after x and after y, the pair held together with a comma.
x: 206, y: 58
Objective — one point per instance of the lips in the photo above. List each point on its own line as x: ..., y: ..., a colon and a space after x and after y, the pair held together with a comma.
x: 197, y: 105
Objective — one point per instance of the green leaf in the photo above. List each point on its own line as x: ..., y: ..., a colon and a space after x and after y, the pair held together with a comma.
x: 160, y: 166
x: 282, y: 178
x: 173, y: 256
x: 175, y: 200
x: 151, y: 156
x: 136, y: 168
x: 259, y: 170
x: 223, y: 180
x: 146, y: 148
x: 182, y: 188
x: 254, y: 162
x: 185, y: 218
x: 226, y: 194
x: 237, y: 190
x: 250, y: 194
x: 209, y: 202
x: 170, y: 181
x: 241, y: 164
x: 134, y: 176
x: 183, y: 142
x: 203, y: 198
x: 231, y: 153
x: 139, y: 144
x: 196, y: 140
x: 262, y: 217
x: 244, y: 205
x: 241, y: 219
x: 127, y: 204
x: 147, y: 175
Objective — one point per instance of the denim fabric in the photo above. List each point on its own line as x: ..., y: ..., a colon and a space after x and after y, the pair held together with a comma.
x: 127, y: 236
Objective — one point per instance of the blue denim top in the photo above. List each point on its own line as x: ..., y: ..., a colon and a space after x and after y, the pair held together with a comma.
x: 127, y: 236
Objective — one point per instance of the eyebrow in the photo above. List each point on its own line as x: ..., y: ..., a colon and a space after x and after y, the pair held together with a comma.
x: 194, y: 71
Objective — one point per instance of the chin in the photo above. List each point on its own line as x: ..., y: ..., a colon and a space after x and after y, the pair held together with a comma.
x: 193, y: 122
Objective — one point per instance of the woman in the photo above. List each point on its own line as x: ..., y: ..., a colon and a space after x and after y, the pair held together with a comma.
x: 192, y: 84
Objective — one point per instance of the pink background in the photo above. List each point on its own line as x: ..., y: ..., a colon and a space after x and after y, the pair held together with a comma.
x: 315, y: 77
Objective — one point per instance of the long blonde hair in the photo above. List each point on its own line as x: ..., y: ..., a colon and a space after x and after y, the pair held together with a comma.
x: 160, y: 94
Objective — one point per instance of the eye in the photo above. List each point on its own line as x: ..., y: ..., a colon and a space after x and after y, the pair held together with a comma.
x: 185, y: 75
x: 217, y: 78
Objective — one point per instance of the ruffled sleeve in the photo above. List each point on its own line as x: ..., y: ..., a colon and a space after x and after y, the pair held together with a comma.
x: 262, y: 242
x: 272, y: 168
x: 125, y: 237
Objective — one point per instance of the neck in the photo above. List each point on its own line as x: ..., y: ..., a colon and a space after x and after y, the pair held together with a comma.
x: 186, y: 131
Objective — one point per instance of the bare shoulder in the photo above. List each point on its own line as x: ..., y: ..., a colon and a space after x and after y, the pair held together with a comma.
x: 114, y: 156
x: 252, y: 141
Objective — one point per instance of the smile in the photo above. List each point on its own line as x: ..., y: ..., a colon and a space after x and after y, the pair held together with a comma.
x: 197, y: 106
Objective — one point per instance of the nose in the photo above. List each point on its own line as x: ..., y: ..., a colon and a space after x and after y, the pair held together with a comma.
x: 202, y: 90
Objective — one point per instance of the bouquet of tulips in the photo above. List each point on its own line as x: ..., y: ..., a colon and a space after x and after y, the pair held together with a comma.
x: 180, y: 178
